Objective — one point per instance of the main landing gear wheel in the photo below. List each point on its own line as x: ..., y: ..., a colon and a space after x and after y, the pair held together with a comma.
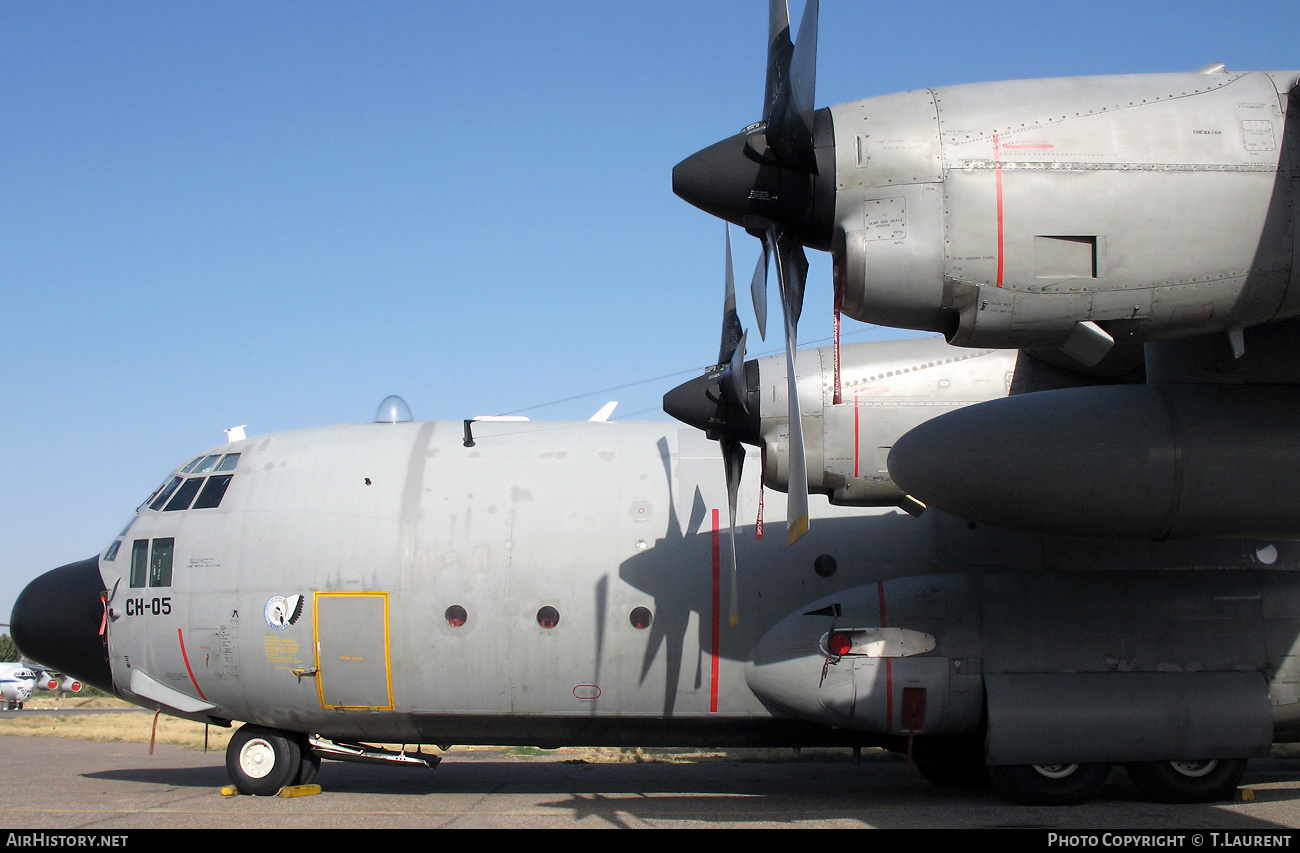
x: 310, y: 764
x: 957, y: 763
x: 1188, y: 781
x: 261, y: 761
x: 1049, y: 784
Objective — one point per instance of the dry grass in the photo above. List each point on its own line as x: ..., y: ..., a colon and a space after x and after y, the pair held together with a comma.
x: 130, y: 726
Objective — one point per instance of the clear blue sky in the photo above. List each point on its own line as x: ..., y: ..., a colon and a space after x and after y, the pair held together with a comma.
x: 277, y: 213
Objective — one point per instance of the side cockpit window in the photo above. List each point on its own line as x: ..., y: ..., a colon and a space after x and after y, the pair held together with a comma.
x: 139, y: 562
x: 160, y: 562
x: 179, y: 493
x: 152, y: 566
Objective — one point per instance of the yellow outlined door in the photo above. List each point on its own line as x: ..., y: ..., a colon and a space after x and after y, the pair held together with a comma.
x: 353, y: 669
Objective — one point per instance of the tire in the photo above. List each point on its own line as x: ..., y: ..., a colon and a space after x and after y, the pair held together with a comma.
x: 309, y: 766
x: 1188, y: 781
x: 953, y: 763
x: 261, y: 761
x: 1049, y: 784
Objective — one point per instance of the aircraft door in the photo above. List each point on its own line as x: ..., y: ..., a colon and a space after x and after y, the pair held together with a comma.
x: 352, y: 653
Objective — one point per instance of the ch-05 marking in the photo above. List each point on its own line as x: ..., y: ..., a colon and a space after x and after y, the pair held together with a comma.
x: 157, y: 606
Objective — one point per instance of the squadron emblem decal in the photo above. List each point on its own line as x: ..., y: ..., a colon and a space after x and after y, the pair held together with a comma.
x: 282, y: 612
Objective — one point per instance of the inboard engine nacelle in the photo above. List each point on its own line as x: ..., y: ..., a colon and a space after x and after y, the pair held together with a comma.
x: 1123, y: 462
x: 1054, y: 667
x: 886, y: 388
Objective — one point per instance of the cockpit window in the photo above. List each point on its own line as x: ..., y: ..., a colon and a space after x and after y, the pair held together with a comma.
x: 185, y: 494
x: 179, y: 492
x: 206, y: 465
x: 166, y: 493
x: 213, y: 492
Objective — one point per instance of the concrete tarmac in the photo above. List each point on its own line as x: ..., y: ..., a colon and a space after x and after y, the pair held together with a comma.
x: 63, y: 785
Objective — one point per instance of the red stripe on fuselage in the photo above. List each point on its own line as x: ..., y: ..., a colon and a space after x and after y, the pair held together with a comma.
x: 997, y: 177
x: 180, y: 638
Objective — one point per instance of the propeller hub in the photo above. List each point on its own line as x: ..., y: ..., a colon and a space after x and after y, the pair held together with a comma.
x: 739, y: 180
x: 701, y: 403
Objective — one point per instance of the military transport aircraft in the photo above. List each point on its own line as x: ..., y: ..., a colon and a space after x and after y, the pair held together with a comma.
x: 17, y: 683
x: 1058, y: 540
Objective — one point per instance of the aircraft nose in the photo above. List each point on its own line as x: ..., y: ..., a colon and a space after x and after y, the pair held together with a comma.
x: 56, y: 622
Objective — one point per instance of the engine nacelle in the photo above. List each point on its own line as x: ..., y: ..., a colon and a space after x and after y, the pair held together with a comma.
x: 1135, y: 462
x: 887, y: 387
x: 1015, y: 656
x: 1072, y: 212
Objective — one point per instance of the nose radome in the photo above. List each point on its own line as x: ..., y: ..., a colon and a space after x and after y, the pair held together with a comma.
x: 56, y: 622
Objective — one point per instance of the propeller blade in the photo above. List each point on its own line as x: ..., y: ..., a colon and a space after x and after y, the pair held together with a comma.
x: 732, y: 332
x: 758, y: 292
x: 790, y: 254
x: 780, y: 50
x: 732, y: 379
x: 731, y: 353
x: 789, y: 111
x: 803, y: 76
x: 733, y: 460
x: 792, y: 274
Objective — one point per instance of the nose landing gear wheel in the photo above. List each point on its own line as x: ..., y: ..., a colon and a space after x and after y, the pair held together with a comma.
x: 1049, y: 784
x: 1188, y: 781
x: 261, y: 761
